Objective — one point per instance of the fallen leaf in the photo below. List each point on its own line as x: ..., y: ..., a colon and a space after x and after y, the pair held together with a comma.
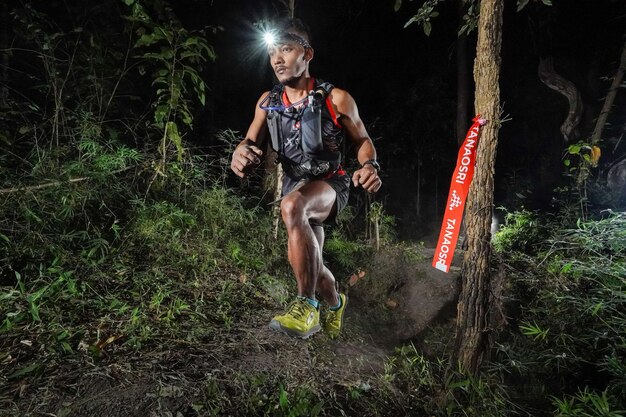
x: 243, y: 278
x: 353, y: 280
x: 100, y: 344
x: 390, y: 303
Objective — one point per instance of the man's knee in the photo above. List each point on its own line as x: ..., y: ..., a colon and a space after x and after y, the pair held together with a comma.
x: 292, y: 208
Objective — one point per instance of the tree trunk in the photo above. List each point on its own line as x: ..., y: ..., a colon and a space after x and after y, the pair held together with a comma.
x: 610, y: 98
x: 291, y: 7
x: 471, y: 342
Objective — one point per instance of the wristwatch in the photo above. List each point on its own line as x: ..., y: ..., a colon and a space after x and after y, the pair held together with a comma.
x: 373, y: 163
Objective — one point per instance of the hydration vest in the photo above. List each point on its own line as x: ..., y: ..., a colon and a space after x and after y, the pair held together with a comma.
x: 307, y: 137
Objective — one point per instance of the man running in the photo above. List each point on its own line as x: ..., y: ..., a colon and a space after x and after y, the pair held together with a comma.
x: 307, y: 120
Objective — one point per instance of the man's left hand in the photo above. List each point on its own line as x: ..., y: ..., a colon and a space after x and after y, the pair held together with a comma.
x: 367, y: 177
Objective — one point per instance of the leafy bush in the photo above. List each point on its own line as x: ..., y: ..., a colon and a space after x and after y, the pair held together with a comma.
x: 572, y: 313
x: 521, y: 231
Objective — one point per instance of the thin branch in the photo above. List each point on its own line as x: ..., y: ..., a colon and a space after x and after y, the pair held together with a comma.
x: 122, y: 74
x: 610, y: 98
x: 57, y: 183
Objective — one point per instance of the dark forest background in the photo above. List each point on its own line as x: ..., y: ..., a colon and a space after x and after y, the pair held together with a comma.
x: 405, y: 85
x: 403, y: 81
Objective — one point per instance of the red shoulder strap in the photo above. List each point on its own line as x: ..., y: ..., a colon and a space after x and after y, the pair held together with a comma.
x: 331, y: 110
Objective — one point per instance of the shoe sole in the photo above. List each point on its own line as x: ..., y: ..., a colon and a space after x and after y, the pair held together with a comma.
x: 275, y: 325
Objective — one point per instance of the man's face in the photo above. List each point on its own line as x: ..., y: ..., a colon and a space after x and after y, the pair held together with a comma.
x: 289, y: 60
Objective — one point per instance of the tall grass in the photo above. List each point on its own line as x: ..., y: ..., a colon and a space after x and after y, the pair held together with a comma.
x: 570, y: 312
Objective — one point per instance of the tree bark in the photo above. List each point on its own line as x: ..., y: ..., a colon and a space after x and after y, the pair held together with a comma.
x: 471, y: 342
x: 610, y: 98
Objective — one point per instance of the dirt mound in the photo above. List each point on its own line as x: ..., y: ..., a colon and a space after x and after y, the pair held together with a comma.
x: 401, y: 295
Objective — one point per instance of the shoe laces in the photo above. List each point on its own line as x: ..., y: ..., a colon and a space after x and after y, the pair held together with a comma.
x: 330, y: 315
x: 297, y: 308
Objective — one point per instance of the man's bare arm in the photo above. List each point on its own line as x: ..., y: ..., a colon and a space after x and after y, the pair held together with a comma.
x: 367, y: 175
x: 248, y: 152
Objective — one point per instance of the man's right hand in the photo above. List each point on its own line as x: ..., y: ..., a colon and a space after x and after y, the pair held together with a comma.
x: 245, y: 155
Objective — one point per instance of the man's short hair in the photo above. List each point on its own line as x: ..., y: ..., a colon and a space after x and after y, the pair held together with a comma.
x: 295, y: 25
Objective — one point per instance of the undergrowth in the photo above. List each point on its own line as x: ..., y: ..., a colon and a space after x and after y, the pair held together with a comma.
x: 100, y: 268
x: 567, y: 350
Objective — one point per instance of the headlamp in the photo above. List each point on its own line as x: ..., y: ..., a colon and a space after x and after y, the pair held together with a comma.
x: 269, y: 38
x: 274, y: 37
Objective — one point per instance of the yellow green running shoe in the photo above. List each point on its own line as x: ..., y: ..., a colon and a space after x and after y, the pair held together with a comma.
x: 300, y: 320
x: 333, y: 319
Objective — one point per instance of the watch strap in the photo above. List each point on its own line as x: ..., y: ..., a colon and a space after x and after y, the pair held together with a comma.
x: 373, y: 163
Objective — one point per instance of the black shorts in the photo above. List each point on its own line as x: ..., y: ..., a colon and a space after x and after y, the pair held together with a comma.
x: 339, y: 181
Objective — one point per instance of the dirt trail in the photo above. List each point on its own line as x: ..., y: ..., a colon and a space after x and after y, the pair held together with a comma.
x: 394, y: 303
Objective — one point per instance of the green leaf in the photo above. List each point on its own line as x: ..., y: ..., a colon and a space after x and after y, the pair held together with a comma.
x: 148, y: 39
x: 282, y: 398
x: 547, y: 2
x: 521, y: 4
x: 460, y: 384
x: 534, y: 330
x: 158, y: 57
x: 397, y: 5
x: 167, y: 52
x: 597, y: 308
x: 209, y: 50
x: 192, y: 54
x: 38, y: 294
x: 574, y: 149
x: 317, y: 409
x: 128, y: 2
x: 166, y: 33
x: 191, y: 41
x: 32, y: 368
x: 160, y: 113
x: 427, y: 28
x: 411, y: 21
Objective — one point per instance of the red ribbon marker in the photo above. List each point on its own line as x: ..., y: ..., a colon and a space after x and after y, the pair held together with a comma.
x: 459, y: 187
